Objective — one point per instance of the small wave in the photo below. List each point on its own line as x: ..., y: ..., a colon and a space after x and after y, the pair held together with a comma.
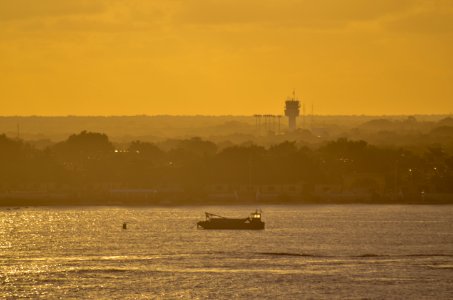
x: 100, y: 270
x: 430, y: 255
x: 367, y: 255
x: 288, y: 254
x: 371, y: 255
x: 233, y: 253
x: 443, y: 267
x: 317, y: 255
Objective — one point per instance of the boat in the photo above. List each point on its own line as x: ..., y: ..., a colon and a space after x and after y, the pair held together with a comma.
x: 253, y: 222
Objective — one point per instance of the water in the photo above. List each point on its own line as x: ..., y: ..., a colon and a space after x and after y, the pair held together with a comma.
x: 353, y: 251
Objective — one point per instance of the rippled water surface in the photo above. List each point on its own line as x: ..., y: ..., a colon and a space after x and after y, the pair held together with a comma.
x: 305, y: 252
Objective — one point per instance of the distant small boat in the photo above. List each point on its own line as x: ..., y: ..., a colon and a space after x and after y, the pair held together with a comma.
x: 253, y: 222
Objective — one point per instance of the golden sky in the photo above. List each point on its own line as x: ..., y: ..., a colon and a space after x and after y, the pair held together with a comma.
x: 118, y: 57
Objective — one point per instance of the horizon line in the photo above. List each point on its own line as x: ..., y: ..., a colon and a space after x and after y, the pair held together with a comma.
x: 225, y: 115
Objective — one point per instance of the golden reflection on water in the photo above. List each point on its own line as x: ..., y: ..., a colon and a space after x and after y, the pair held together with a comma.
x: 309, y: 251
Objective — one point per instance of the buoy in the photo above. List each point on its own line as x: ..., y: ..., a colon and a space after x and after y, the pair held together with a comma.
x: 124, y: 226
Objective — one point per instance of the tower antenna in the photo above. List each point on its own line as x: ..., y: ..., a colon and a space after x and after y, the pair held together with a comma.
x: 312, y: 114
x: 303, y: 115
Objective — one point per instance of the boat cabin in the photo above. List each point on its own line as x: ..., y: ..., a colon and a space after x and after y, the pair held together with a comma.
x: 255, y: 216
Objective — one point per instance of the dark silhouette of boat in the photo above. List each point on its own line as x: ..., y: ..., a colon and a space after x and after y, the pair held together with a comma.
x: 253, y: 222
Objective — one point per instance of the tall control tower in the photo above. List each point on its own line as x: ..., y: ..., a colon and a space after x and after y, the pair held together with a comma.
x: 292, y: 110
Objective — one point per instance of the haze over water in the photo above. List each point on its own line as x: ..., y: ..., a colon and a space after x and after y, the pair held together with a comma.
x: 352, y: 251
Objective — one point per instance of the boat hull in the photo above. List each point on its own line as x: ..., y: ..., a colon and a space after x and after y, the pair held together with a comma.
x: 228, y: 224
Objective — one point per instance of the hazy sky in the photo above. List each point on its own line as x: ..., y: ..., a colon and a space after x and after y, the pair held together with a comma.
x: 104, y: 57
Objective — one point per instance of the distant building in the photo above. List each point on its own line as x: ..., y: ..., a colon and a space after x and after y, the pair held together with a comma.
x: 292, y: 111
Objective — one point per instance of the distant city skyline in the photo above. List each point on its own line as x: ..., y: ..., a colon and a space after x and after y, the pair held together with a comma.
x: 225, y: 57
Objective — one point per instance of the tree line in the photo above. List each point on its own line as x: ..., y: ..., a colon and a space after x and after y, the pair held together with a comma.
x: 89, y: 158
